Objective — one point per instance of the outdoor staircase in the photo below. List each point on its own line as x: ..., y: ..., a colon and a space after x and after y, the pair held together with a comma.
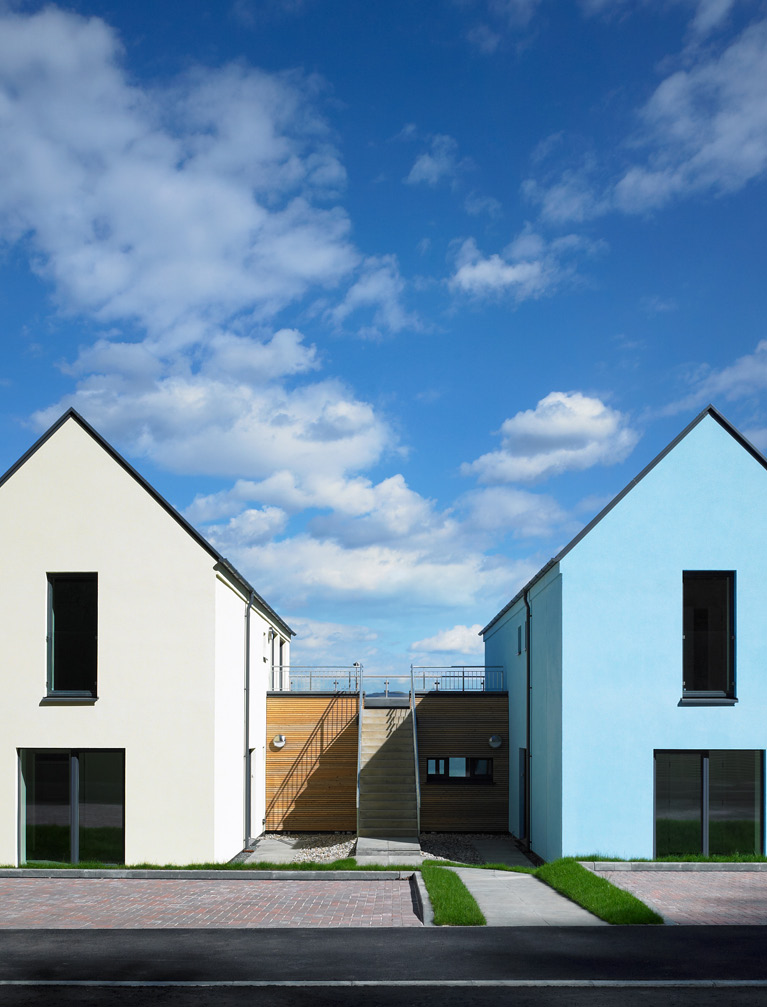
x: 388, y: 805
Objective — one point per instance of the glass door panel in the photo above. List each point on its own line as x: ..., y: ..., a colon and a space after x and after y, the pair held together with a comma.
x: 101, y: 806
x: 678, y: 803
x: 735, y: 802
x: 48, y: 822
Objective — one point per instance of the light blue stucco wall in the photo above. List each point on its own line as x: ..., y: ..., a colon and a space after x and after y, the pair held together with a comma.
x: 546, y: 720
x: 703, y: 507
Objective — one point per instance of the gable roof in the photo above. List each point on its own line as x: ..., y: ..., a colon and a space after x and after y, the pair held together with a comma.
x: 72, y: 414
x: 708, y: 411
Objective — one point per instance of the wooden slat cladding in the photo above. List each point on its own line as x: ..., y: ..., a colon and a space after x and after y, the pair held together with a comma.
x: 311, y: 783
x: 460, y: 725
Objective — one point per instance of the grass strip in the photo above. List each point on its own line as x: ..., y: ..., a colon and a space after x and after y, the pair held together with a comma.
x: 451, y: 900
x: 609, y: 903
x: 348, y: 864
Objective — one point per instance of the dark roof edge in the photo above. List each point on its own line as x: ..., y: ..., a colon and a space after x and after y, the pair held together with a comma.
x: 711, y: 411
x: 158, y: 497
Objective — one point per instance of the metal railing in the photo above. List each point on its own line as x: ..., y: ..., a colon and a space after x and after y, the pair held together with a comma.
x: 415, y: 754
x: 315, y: 678
x: 457, y: 678
x: 360, y: 705
x: 421, y: 678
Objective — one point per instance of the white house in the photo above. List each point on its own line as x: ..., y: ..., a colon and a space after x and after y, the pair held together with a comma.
x: 636, y: 664
x: 135, y: 665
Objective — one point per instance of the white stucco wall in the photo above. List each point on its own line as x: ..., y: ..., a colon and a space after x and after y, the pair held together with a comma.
x: 72, y: 508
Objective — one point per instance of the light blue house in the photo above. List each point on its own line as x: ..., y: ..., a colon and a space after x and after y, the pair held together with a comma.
x: 636, y: 664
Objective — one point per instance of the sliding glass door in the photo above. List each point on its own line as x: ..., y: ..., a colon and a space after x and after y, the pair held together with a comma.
x: 72, y: 805
x: 709, y: 802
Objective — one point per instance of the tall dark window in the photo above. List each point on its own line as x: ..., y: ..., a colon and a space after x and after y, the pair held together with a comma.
x: 72, y: 633
x: 709, y: 802
x: 709, y: 633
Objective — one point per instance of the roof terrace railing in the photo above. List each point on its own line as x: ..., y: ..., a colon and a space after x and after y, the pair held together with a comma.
x: 422, y: 678
x: 315, y: 678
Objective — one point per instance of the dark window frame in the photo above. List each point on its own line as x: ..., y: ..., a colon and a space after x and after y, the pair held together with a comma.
x: 76, y: 789
x: 727, y: 674
x: 90, y: 675
x: 472, y: 777
x: 704, y: 755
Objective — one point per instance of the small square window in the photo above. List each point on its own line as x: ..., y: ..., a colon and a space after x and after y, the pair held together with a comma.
x: 459, y: 769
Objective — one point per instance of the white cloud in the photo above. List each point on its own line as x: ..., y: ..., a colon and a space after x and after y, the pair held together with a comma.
x: 248, y: 528
x: 174, y: 207
x: 484, y: 39
x: 566, y: 431
x: 476, y: 204
x: 518, y: 512
x: 329, y: 643
x: 458, y: 640
x: 438, y: 163
x: 514, y: 12
x: 301, y: 567
x: 706, y: 127
x: 200, y: 424
x: 703, y: 130
x: 379, y: 288
x: 745, y: 378
x: 528, y: 267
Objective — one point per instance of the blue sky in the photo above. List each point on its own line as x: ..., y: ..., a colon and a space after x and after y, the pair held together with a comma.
x: 388, y: 298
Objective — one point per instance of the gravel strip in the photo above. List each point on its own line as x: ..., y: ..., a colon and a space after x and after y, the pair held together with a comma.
x: 324, y: 847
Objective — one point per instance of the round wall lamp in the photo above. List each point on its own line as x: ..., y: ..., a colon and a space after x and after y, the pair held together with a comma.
x: 279, y: 740
x: 495, y: 741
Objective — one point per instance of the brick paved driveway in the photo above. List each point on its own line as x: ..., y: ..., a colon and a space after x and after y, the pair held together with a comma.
x: 97, y: 903
x: 705, y: 897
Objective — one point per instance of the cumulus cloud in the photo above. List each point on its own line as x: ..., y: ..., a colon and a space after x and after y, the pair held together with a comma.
x: 175, y: 207
x: 458, y: 640
x: 745, y: 378
x: 188, y: 214
x: 706, y: 127
x: 380, y: 288
x: 703, y: 130
x: 438, y: 163
x: 566, y: 431
x: 528, y: 267
x: 517, y: 512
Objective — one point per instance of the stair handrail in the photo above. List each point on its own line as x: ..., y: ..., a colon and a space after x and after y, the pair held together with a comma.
x: 415, y: 754
x: 360, y: 707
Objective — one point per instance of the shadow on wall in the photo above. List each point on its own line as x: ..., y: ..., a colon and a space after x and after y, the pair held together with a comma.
x: 311, y: 783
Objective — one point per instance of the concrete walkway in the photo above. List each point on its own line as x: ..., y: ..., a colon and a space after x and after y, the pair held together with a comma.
x: 389, y: 852
x: 508, y: 899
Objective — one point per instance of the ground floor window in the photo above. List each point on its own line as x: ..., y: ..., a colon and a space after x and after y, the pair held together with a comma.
x: 459, y: 770
x: 709, y: 802
x: 72, y: 805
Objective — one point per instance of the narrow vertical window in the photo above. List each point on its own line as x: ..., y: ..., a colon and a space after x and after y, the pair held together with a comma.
x: 72, y: 633
x: 708, y: 653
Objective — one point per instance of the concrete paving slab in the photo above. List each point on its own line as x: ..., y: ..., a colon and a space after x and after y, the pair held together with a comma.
x: 501, y: 849
x: 270, y: 850
x: 508, y: 899
x: 395, y: 851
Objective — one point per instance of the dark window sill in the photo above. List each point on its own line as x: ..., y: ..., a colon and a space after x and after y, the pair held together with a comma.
x: 68, y: 700
x: 707, y: 701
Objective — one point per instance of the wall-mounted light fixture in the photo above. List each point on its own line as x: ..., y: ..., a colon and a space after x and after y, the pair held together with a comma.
x: 279, y: 740
x: 495, y: 741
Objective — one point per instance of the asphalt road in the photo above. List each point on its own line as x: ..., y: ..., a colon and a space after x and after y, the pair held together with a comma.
x: 426, y: 961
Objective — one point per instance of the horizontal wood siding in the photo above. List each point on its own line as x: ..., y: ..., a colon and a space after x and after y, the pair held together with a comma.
x: 311, y: 783
x: 460, y: 725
